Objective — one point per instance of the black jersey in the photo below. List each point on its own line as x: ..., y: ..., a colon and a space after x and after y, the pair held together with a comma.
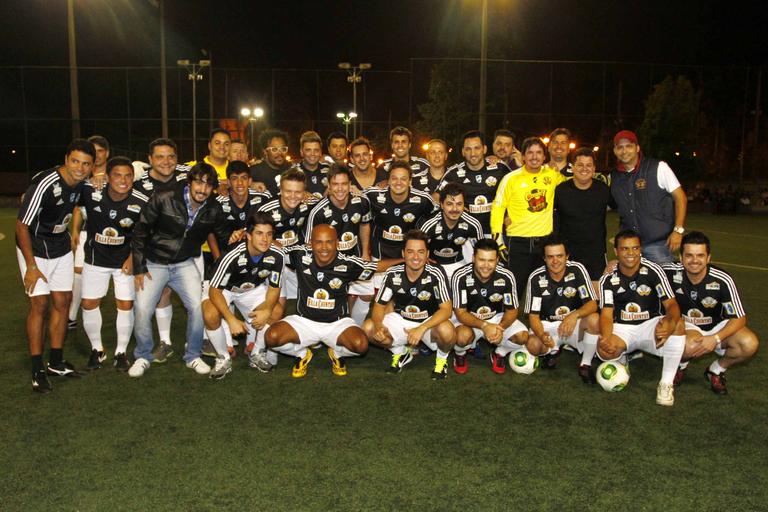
x: 486, y: 299
x: 390, y: 220
x: 347, y: 221
x: 238, y: 271
x: 554, y: 300
x: 416, y: 300
x: 322, y: 291
x: 381, y: 175
x: 289, y: 227
x: 148, y: 185
x: 446, y: 244
x: 418, y: 165
x: 237, y: 217
x: 708, y: 303
x: 317, y: 180
x: 426, y: 182
x: 270, y: 177
x: 479, y: 187
x: 636, y: 298
x: 110, y: 225
x: 46, y: 211
x: 580, y: 216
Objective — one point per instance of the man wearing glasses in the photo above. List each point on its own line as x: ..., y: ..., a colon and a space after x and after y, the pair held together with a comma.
x: 266, y: 174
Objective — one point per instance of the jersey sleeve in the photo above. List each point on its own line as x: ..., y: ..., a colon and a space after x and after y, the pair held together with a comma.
x: 365, y: 205
x: 387, y: 290
x: 441, y: 289
x: 532, y: 298
x: 663, y: 288
x: 460, y: 298
x: 730, y: 300
x: 360, y: 269
x: 222, y: 271
x: 666, y: 177
x: 606, y: 292
x: 34, y: 198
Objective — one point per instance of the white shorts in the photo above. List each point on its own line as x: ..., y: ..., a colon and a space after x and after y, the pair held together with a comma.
x: 573, y: 340
x: 290, y: 284
x: 80, y: 251
x: 60, y: 273
x: 96, y: 283
x: 246, y: 301
x: 451, y: 268
x: 516, y: 327
x: 200, y: 264
x: 396, y: 325
x: 361, y: 288
x: 639, y: 337
x: 719, y: 347
x: 311, y: 332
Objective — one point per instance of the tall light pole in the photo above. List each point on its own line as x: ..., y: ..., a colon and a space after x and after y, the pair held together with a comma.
x: 354, y: 77
x: 194, y: 70
x: 252, y: 115
x: 346, y: 119
x: 74, y: 96
x: 483, y: 64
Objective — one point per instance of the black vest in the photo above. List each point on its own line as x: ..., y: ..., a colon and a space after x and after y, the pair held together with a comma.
x: 643, y: 205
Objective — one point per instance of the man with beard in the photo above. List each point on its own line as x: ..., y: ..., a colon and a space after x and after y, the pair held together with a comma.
x: 266, y: 174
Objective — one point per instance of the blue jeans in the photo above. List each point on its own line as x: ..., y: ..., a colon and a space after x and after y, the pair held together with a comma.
x: 657, y: 252
x: 184, y: 279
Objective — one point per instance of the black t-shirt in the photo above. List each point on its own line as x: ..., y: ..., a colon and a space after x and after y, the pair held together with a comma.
x: 238, y: 271
x: 446, y: 244
x: 236, y: 217
x: 708, y: 303
x: 322, y: 291
x: 46, y: 211
x: 317, y: 180
x: 289, y: 227
x: 554, y: 300
x: 390, y: 220
x: 417, y: 300
x: 110, y: 225
x: 381, y: 175
x: 580, y: 216
x: 426, y: 182
x: 269, y: 176
x: 418, y: 165
x: 486, y: 299
x: 636, y: 298
x: 148, y: 185
x: 347, y: 221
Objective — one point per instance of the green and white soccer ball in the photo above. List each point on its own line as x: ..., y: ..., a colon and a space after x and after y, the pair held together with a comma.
x: 523, y: 362
x: 612, y: 376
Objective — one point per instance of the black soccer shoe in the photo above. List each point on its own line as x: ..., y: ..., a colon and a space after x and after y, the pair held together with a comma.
x: 40, y: 382
x: 96, y: 358
x: 63, y: 369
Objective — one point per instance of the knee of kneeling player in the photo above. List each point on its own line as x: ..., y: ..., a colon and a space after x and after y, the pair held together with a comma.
x: 211, y: 317
x: 608, y: 352
x: 272, y: 337
x: 749, y: 344
x: 358, y: 345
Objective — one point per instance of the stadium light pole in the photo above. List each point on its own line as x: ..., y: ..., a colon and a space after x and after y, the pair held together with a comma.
x: 346, y: 119
x: 74, y: 95
x: 194, y: 73
x: 483, y: 64
x: 252, y: 115
x: 354, y: 77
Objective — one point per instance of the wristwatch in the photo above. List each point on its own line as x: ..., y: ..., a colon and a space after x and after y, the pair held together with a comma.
x: 679, y: 230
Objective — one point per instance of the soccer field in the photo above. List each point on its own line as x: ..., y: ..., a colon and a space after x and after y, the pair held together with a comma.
x: 371, y: 441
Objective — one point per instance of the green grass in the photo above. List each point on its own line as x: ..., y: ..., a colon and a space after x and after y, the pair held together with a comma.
x: 174, y: 441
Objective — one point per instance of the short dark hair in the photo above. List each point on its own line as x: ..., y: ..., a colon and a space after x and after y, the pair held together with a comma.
x: 98, y: 140
x: 553, y: 240
x: 400, y: 130
x: 473, y: 134
x: 360, y: 141
x: 416, y: 234
x: 451, y: 189
x: 201, y: 170
x: 400, y: 165
x: 219, y: 130
x: 256, y: 217
x: 560, y: 131
x: 486, y: 244
x: 337, y: 169
x: 293, y: 174
x: 336, y: 135
x: 695, y: 238
x: 533, y: 141
x: 161, y: 142
x: 503, y: 132
x: 116, y: 161
x: 584, y: 151
x: 237, y: 167
x: 81, y: 145
x: 623, y: 234
x: 272, y: 133
x: 239, y: 141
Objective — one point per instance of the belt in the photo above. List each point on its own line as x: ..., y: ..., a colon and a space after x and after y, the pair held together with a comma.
x: 526, y: 239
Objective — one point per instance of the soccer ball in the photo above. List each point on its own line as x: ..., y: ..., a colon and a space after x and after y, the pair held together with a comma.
x: 612, y: 376
x: 523, y: 362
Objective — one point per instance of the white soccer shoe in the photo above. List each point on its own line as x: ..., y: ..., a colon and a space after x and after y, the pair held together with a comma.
x: 200, y: 366
x: 138, y: 367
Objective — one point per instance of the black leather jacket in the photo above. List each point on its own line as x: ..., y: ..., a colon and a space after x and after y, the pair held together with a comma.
x: 161, y: 235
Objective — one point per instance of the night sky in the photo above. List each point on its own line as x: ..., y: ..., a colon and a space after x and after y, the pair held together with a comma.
x: 385, y: 33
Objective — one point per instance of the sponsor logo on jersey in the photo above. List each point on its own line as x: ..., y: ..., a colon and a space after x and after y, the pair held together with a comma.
x: 269, y: 259
x: 397, y: 280
x: 569, y: 292
x: 643, y: 290
x: 356, y: 218
x: 306, y: 259
x: 446, y: 252
x: 335, y: 283
x: 426, y: 280
x: 470, y: 281
x: 537, y: 200
x: 677, y: 277
x: 729, y: 309
x: 583, y: 293
x: 424, y: 295
x: 348, y: 241
x: 491, y: 181
x: 484, y: 313
x: 60, y: 228
x: 394, y: 233
x: 409, y: 217
x: 496, y: 297
x: 56, y: 190
x: 499, y: 282
x: 712, y: 286
x: 288, y: 238
x: 508, y: 299
x: 643, y: 271
x: 569, y: 277
x: 708, y: 302
x: 327, y: 212
x: 615, y: 280
x: 381, y: 198
x: 561, y: 312
x: 243, y: 287
x: 412, y: 312
x: 480, y: 205
x: 415, y: 199
x: 659, y: 290
x: 696, y: 317
x: 274, y: 277
x: 126, y: 222
x: 460, y: 240
x: 109, y: 237
x: 263, y: 273
x: 321, y: 300
x: 633, y: 312
x: 543, y: 283
x: 640, y: 184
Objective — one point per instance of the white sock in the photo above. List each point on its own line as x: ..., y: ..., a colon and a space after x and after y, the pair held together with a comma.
x: 164, y: 317
x: 441, y: 354
x: 359, y: 311
x: 460, y: 351
x: 671, y: 353
x: 291, y: 349
x: 589, y: 342
x: 77, y: 295
x: 124, y: 326
x: 399, y: 347
x: 272, y: 357
x: 343, y: 351
x: 716, y: 368
x: 227, y: 334
x: 506, y: 346
x: 259, y: 343
x: 92, y: 327
x: 218, y: 339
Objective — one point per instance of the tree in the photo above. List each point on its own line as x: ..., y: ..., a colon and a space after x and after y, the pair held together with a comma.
x: 449, y: 111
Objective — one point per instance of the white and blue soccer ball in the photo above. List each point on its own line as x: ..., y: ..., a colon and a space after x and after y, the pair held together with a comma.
x: 612, y: 376
x: 523, y: 362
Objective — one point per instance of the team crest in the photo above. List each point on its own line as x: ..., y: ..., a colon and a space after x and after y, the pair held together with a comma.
x: 424, y: 295
x: 356, y: 218
x: 640, y: 184
x: 126, y: 222
x: 491, y: 181
x: 569, y: 292
x: 496, y: 297
x: 408, y: 217
x: 537, y: 200
x: 708, y: 302
x: 335, y: 283
x: 644, y: 290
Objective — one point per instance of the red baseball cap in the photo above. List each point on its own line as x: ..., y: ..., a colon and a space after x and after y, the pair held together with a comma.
x: 625, y: 134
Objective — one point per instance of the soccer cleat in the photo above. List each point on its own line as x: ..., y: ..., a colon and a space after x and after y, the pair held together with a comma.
x: 208, y: 349
x: 585, y: 372
x: 200, y: 366
x: 259, y: 361
x: 440, y: 372
x: 634, y: 355
x: 163, y: 351
x: 94, y: 361
x: 549, y: 361
x: 665, y: 394
x: 121, y: 362
x: 460, y: 364
x: 400, y: 360
x: 339, y: 367
x: 138, y: 367
x: 221, y: 368
x: 40, y: 382
x: 301, y: 365
x: 716, y: 382
x: 498, y: 363
x: 72, y: 325
x: 679, y: 376
x: 63, y: 369
x: 424, y: 350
